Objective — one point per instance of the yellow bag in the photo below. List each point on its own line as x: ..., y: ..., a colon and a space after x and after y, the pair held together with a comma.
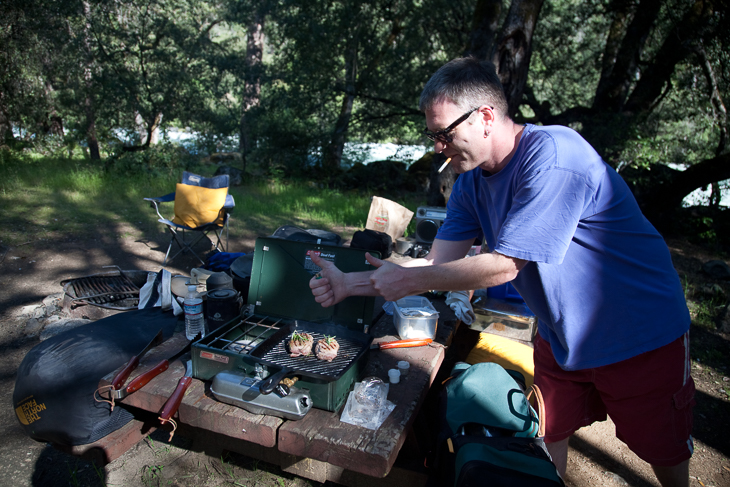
x: 505, y: 352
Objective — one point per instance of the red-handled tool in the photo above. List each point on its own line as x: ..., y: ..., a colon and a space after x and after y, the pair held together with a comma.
x: 143, y: 379
x: 173, y: 403
x: 411, y: 342
x: 123, y: 375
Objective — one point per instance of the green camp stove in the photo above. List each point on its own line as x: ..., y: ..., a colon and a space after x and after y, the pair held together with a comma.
x: 255, y: 345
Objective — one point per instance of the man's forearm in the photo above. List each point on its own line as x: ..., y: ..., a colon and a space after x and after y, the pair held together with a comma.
x: 359, y: 284
x: 478, y: 272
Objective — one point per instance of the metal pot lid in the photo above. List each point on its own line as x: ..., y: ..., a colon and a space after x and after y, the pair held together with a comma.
x: 218, y: 278
x: 222, y: 294
x: 242, y: 266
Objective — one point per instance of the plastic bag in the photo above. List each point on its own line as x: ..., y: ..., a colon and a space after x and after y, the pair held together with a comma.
x: 367, y: 405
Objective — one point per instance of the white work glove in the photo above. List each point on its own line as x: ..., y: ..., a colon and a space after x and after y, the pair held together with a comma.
x: 459, y: 302
x: 199, y: 275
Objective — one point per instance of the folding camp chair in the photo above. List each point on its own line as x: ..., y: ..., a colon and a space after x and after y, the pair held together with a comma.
x: 202, y: 205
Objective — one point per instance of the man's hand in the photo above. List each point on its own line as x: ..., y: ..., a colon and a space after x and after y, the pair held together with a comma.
x: 388, y: 280
x: 328, y: 286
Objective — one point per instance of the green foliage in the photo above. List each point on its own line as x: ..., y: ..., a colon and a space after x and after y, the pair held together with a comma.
x: 394, y: 47
x: 164, y: 159
x: 702, y: 226
x: 122, y: 64
x: 72, y: 197
x: 567, y: 49
x: 66, y: 198
x: 380, y: 177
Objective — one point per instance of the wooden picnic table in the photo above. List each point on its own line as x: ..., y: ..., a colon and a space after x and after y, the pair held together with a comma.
x: 319, y: 446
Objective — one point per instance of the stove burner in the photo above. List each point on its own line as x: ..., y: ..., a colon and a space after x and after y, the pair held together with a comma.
x: 250, y: 333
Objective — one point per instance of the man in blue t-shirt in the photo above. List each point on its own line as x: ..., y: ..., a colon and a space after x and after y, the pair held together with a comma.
x: 564, y: 228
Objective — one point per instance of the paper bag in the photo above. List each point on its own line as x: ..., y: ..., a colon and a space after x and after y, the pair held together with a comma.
x: 388, y: 217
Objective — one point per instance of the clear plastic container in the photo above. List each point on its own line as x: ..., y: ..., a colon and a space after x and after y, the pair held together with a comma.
x: 194, y: 319
x: 415, y: 317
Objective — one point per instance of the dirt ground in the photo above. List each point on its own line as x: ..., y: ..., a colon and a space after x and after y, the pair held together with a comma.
x: 30, y: 276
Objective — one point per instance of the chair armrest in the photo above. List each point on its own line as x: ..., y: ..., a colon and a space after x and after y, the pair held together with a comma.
x: 163, y: 199
x: 230, y: 203
x: 154, y: 202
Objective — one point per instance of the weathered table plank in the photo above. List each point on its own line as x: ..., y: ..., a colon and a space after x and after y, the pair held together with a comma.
x: 320, y: 435
x: 198, y: 408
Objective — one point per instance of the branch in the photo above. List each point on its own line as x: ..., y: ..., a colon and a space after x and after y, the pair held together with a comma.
x: 663, y: 198
x: 616, y: 77
x: 718, y: 106
x: 676, y: 47
x: 408, y: 110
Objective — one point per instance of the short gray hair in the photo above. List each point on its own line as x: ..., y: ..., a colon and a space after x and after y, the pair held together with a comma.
x: 466, y: 82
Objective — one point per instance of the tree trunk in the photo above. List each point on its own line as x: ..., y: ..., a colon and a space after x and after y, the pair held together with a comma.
x: 154, y: 132
x: 91, y: 138
x: 333, y: 154
x: 252, y: 83
x: 484, y: 28
x: 621, y: 14
x: 617, y: 76
x: 53, y: 125
x: 661, y: 198
x: 514, y: 49
x: 6, y: 129
x: 677, y: 46
x: 718, y: 106
x: 141, y: 127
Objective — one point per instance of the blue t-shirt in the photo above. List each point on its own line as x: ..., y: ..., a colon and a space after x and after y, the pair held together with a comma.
x: 600, y: 278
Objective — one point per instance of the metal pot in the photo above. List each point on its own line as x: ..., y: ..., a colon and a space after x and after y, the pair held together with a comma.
x: 223, y: 305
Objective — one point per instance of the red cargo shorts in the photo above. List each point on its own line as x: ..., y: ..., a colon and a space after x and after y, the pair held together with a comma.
x: 648, y: 397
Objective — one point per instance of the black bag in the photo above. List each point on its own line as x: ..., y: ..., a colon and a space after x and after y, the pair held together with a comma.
x: 54, y: 390
x: 373, y: 240
x: 312, y: 235
x: 489, y: 434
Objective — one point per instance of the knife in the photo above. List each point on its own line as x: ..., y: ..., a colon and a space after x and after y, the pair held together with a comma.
x: 123, y: 375
x: 173, y: 403
x: 143, y: 379
x: 411, y: 342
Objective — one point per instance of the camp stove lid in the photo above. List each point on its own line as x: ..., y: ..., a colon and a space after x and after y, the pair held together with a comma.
x: 280, y: 275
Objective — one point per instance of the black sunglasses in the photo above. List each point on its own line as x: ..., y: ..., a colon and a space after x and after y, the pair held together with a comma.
x: 443, y: 135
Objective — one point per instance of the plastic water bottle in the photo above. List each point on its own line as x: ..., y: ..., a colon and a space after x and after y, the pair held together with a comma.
x: 194, y: 320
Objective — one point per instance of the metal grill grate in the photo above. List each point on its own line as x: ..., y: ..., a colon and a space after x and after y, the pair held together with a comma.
x: 103, y: 291
x: 250, y: 332
x: 345, y: 355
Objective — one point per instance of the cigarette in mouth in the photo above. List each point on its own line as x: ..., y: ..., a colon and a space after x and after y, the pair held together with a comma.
x: 443, y: 166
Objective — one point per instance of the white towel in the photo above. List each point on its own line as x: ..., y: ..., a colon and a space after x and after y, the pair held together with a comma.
x: 459, y: 302
x: 157, y: 292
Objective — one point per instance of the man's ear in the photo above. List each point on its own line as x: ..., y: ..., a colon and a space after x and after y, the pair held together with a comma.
x: 487, y: 115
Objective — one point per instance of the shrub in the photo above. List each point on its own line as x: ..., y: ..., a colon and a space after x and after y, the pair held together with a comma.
x: 163, y: 159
